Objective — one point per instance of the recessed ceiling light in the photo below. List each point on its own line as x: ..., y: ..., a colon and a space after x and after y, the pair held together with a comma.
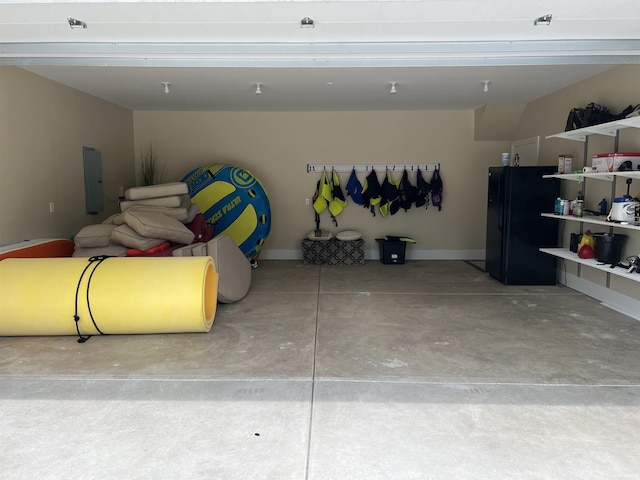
x: 75, y: 23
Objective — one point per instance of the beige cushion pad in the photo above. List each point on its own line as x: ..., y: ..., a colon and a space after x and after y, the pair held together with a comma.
x: 234, y: 270
x: 181, y: 214
x: 174, y: 201
x: 127, y: 236
x: 117, y: 219
x: 112, y: 219
x: 155, y: 191
x: 192, y: 211
x: 98, y: 235
x: 185, y: 201
x: 194, y: 250
x: 185, y: 251
x: 199, y: 250
x: 157, y: 225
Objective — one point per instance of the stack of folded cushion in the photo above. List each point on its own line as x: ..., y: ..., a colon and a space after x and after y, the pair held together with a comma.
x: 161, y: 220
x: 153, y: 219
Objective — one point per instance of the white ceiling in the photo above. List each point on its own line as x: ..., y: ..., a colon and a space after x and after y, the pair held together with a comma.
x: 214, y: 52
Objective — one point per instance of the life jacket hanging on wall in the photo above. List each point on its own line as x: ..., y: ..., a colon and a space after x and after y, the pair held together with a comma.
x: 354, y: 188
x: 436, y: 189
x: 328, y: 195
x: 371, y: 192
x: 337, y: 202
x: 319, y: 201
x: 422, y: 193
x: 407, y: 193
x: 390, y: 201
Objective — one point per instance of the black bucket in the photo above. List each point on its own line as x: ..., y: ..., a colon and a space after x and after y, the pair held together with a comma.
x: 608, y: 247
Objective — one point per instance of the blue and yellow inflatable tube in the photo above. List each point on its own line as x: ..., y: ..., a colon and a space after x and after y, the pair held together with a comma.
x: 234, y: 202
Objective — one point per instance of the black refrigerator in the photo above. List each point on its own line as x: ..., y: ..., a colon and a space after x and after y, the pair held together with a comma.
x: 515, y: 229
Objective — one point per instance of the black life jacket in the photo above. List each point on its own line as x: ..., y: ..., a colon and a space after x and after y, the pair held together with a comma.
x: 390, y: 202
x: 371, y: 192
x: 422, y: 194
x: 436, y: 189
x: 407, y: 193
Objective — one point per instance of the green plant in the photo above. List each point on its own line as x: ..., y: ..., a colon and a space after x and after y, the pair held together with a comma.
x: 151, y: 170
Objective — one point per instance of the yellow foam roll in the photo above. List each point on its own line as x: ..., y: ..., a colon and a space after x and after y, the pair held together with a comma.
x: 125, y: 295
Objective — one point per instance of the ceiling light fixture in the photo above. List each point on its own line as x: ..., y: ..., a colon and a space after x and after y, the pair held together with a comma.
x: 307, y: 22
x: 258, y: 88
x: 393, y: 87
x: 75, y: 23
x: 544, y: 20
x: 485, y: 84
x: 166, y: 86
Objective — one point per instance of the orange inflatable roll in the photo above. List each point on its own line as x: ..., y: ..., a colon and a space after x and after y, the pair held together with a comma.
x: 44, y: 248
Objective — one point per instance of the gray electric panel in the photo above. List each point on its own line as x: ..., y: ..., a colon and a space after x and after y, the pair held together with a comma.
x: 92, y: 161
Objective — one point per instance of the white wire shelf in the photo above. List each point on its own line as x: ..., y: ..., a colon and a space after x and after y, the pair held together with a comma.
x: 609, y: 129
x: 606, y: 176
x: 591, y: 262
x: 599, y: 220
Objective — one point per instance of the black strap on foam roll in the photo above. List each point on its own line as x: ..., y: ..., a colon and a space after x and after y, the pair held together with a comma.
x: 95, y: 262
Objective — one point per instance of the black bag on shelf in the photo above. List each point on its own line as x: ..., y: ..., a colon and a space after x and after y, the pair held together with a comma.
x: 575, y: 119
x: 627, y: 112
x: 593, y: 114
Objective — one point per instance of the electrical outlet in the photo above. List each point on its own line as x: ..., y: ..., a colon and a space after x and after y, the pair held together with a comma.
x: 52, y: 207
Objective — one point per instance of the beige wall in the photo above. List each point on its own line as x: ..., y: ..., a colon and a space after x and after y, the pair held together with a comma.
x: 276, y: 147
x: 616, y: 89
x: 43, y: 127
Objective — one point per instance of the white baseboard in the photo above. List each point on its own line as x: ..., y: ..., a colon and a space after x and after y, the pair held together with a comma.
x: 607, y: 297
x: 410, y: 254
x: 281, y: 255
x: 436, y: 254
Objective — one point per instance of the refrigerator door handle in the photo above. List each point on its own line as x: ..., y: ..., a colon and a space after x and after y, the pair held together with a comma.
x: 500, y: 205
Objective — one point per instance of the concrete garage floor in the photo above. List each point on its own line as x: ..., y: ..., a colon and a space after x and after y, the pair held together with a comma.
x: 429, y: 370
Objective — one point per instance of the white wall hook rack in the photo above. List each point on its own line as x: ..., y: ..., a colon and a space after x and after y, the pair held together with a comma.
x: 397, y: 167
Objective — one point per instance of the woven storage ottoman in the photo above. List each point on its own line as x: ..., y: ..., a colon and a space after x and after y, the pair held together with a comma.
x: 333, y: 252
